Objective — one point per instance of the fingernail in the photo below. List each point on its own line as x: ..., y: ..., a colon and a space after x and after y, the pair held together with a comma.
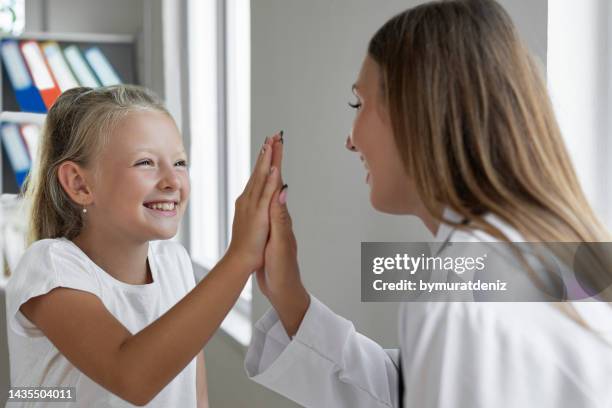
x: 282, y: 197
x: 272, y: 169
x: 263, y: 149
x: 281, y: 135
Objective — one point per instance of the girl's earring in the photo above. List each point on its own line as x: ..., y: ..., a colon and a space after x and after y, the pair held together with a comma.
x: 84, y: 210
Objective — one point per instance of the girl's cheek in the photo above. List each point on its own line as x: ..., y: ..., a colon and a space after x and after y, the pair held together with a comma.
x: 186, y: 186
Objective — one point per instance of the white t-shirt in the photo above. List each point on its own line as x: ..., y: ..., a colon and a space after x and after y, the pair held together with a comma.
x: 51, y: 263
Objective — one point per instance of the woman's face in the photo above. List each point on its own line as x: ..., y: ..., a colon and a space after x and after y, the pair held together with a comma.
x: 142, y: 184
x: 391, y: 190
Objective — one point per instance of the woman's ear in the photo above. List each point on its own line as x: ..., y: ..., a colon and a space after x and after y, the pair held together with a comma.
x: 72, y: 178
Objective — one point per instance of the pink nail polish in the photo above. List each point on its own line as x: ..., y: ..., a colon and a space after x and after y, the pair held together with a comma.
x: 282, y: 197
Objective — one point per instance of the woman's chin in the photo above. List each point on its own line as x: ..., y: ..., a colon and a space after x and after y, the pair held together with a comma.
x: 381, y: 205
x: 389, y: 205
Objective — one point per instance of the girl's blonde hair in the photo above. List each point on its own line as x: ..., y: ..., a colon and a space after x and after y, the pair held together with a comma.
x: 474, y: 124
x: 76, y: 129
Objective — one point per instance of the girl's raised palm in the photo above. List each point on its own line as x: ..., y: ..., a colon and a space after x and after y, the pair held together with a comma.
x: 251, y: 225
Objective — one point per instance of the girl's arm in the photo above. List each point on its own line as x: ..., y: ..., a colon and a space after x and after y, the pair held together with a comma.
x: 201, y: 386
x: 137, y: 367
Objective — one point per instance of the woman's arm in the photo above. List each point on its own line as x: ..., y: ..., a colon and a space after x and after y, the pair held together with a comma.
x: 326, y: 363
x: 137, y: 367
x: 201, y: 385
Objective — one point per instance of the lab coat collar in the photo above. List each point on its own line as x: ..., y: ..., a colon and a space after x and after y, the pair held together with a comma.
x: 445, y: 231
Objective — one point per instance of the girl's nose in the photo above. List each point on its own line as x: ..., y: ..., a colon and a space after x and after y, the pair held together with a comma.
x: 170, y: 181
x: 349, y: 144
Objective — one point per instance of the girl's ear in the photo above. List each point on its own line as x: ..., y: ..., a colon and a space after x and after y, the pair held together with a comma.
x: 72, y: 178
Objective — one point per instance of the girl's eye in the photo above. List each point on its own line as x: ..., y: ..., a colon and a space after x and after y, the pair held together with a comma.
x: 181, y: 163
x: 145, y: 162
x: 355, y: 105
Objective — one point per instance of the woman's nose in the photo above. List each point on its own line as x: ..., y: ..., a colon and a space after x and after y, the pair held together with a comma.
x: 349, y: 144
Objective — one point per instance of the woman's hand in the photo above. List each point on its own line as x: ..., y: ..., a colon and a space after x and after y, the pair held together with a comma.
x: 279, y: 280
x: 251, y: 224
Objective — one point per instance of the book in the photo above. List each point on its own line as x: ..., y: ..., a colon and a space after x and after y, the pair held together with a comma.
x: 31, y: 136
x: 79, y: 66
x: 16, y: 151
x: 61, y: 71
x: 102, y: 67
x: 27, y: 95
x: 41, y: 74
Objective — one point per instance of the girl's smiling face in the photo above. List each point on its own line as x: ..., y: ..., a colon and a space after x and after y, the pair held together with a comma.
x: 140, y: 180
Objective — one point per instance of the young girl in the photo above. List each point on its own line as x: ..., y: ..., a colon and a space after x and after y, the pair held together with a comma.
x: 94, y: 303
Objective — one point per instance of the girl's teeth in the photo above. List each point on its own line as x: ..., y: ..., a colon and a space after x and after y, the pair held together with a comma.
x: 163, y: 206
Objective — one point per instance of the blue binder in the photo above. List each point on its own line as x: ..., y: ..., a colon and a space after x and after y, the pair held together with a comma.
x: 16, y: 151
x: 26, y: 93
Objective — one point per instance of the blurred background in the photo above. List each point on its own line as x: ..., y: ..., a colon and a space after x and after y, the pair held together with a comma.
x: 235, y: 71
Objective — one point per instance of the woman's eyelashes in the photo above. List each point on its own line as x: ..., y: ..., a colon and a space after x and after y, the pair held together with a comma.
x: 355, y: 105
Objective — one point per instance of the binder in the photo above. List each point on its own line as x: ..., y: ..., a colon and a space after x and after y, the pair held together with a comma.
x: 16, y: 151
x: 26, y: 93
x: 41, y: 75
x: 58, y: 65
x: 31, y: 136
x: 80, y: 68
x: 102, y: 67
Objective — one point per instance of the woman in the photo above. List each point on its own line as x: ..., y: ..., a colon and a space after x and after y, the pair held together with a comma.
x: 455, y: 126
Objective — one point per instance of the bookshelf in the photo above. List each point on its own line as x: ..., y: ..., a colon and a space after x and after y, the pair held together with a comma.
x: 121, y: 51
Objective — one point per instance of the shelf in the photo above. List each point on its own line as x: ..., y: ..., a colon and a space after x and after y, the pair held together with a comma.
x: 23, y: 117
x: 76, y: 37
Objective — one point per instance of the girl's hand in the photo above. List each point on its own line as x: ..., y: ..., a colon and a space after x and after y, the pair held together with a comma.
x: 251, y: 217
x: 279, y: 280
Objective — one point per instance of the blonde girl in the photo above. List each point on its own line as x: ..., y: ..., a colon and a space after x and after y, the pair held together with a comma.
x: 102, y: 301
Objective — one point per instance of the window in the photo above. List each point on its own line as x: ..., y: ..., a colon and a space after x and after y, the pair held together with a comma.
x: 12, y: 16
x: 219, y: 83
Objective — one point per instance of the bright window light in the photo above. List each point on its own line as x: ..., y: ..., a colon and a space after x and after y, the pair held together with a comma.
x: 219, y: 83
x: 204, y: 129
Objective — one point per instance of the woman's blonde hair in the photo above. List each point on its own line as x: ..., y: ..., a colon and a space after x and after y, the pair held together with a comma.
x: 474, y: 124
x: 75, y: 129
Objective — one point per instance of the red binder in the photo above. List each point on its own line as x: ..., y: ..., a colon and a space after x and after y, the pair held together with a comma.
x: 40, y: 71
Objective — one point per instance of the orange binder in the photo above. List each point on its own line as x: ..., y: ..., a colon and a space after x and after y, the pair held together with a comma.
x: 41, y: 74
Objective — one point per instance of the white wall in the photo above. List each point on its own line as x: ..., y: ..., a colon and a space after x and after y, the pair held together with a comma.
x: 579, y: 81
x: 305, y: 57
x: 107, y: 16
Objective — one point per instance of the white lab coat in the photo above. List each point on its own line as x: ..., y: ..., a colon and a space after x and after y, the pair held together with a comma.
x: 453, y: 354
